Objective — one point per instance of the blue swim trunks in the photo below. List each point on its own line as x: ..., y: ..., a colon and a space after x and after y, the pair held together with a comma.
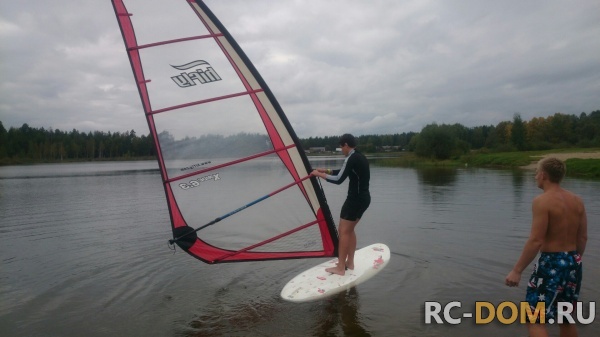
x: 556, y: 278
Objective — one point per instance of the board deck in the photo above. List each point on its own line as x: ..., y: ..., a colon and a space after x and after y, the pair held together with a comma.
x: 315, y: 283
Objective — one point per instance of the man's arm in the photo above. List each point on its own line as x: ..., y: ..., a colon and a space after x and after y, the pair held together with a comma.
x: 338, y: 176
x: 539, y: 227
x: 582, y: 233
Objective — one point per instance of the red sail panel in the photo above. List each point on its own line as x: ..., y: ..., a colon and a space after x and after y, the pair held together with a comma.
x: 235, y: 176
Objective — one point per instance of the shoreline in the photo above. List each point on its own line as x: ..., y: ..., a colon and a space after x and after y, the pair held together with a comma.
x: 562, y: 156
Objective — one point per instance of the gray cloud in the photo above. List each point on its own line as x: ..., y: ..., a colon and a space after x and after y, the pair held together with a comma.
x: 335, y: 66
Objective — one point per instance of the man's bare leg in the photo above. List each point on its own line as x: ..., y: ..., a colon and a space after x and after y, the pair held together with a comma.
x: 537, y: 330
x: 568, y: 330
x: 351, y: 249
x: 346, y: 230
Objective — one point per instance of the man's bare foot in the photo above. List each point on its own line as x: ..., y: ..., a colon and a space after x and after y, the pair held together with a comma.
x: 336, y: 270
x: 348, y: 265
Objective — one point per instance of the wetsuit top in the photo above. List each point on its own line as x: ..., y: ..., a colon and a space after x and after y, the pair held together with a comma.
x: 356, y: 167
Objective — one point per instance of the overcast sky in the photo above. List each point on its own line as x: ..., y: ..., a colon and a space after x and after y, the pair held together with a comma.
x: 366, y: 67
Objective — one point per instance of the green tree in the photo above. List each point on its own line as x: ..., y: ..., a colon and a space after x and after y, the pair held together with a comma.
x: 518, y: 133
x: 3, y: 141
x: 435, y: 141
x: 559, y: 129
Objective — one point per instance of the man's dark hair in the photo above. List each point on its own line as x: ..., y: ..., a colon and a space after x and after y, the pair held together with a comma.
x: 348, y: 139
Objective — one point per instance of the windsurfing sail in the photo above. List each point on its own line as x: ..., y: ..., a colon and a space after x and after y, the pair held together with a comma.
x: 236, y: 179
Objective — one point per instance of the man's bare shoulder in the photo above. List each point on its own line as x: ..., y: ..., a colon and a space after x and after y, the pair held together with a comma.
x: 576, y: 200
x: 559, y: 197
x: 542, y: 199
x: 571, y: 196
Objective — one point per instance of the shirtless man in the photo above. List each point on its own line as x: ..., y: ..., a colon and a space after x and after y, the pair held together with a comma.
x: 356, y: 167
x: 559, y: 232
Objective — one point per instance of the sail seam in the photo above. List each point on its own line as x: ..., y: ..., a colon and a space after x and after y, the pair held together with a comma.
x: 199, y: 37
x: 175, y: 107
x: 241, y: 160
x: 266, y: 241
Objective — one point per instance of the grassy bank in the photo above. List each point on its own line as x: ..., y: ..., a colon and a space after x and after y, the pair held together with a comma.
x: 502, y: 159
x: 587, y: 168
x: 409, y: 159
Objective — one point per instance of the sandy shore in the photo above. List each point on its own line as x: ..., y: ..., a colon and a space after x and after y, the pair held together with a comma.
x: 563, y: 156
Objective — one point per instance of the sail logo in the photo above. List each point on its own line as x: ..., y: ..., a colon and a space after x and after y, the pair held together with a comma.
x: 195, y: 166
x: 202, y: 74
x: 196, y: 182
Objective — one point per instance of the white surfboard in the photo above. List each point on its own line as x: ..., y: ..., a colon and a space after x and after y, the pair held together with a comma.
x: 315, y: 283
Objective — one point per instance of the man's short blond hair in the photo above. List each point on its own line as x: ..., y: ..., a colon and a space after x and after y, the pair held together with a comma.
x: 554, y: 167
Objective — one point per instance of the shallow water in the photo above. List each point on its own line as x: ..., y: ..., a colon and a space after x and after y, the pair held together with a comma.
x: 84, y: 252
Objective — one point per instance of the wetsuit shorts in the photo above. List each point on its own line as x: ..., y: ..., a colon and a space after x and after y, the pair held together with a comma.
x: 556, y: 278
x: 354, y: 207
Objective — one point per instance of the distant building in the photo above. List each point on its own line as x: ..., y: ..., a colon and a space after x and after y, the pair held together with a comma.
x: 316, y: 149
x: 388, y: 148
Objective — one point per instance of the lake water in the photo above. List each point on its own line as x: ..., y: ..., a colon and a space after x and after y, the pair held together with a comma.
x: 84, y: 253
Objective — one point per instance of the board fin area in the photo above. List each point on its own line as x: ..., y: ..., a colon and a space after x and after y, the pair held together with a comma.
x: 316, y: 283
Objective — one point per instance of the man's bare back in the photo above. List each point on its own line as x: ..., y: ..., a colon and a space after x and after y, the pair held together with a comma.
x: 565, y: 216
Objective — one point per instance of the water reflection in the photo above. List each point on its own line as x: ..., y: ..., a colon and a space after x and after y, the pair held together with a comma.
x: 70, y: 170
x: 342, y: 311
x: 227, y: 314
x: 436, y: 185
x: 437, y: 176
x: 518, y: 181
x: 225, y: 317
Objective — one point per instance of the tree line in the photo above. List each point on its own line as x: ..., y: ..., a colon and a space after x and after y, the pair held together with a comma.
x: 451, y: 141
x: 540, y: 133
x: 28, y: 144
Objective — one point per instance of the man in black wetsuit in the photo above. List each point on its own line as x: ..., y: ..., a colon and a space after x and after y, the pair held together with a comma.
x: 355, y: 167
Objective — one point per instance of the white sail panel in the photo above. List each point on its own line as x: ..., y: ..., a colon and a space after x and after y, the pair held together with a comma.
x: 236, y: 178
